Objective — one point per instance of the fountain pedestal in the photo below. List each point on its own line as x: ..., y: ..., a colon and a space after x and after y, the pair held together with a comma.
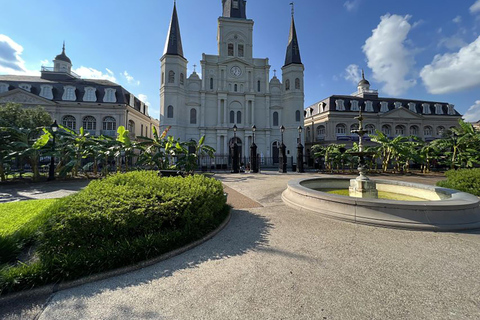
x: 361, y: 188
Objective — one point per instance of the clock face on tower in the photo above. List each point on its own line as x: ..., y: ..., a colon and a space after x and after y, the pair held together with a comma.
x: 236, y: 71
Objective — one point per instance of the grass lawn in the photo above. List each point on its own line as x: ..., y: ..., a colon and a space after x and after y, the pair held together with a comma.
x: 14, y: 215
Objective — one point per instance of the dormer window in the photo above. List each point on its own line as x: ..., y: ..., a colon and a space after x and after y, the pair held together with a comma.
x: 3, y: 87
x: 69, y: 93
x: 90, y: 94
x: 368, y: 106
x: 340, y: 105
x: 426, y: 108
x: 451, y: 109
x: 411, y: 107
x: 354, y: 104
x: 397, y: 104
x: 110, y: 95
x: 383, y: 106
x: 438, y: 108
x: 46, y: 91
x: 26, y: 87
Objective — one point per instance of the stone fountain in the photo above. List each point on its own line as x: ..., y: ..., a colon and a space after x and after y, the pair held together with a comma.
x: 362, y: 186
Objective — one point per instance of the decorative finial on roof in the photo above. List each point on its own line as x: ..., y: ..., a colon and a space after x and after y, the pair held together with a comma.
x: 63, y: 49
x: 274, y: 72
x: 363, y: 75
x: 293, y: 8
x: 194, y: 68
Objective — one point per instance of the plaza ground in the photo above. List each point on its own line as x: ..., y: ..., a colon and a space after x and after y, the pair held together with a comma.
x: 274, y: 262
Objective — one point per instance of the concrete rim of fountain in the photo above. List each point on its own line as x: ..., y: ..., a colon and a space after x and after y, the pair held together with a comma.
x: 443, y: 209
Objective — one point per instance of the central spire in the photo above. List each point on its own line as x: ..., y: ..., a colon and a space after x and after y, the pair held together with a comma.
x: 234, y: 9
x: 293, y: 50
x: 173, y: 45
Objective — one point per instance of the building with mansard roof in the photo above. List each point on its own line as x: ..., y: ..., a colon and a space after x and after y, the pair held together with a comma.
x: 331, y: 120
x: 99, y: 106
x: 235, y: 89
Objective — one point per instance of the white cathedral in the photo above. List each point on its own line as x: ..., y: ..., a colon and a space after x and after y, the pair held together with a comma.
x: 235, y: 90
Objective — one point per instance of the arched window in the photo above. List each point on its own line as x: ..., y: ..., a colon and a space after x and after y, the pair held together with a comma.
x: 90, y: 124
x: 287, y: 84
x: 321, y: 133
x: 297, y: 115
x: 386, y: 130
x: 235, y: 87
x: 297, y: 83
x: 182, y: 79
x: 275, y: 119
x: 170, y: 112
x: 353, y: 127
x: 171, y: 77
x: 193, y: 116
x: 240, y: 50
x: 230, y: 49
x: 239, y: 117
x: 399, y: 130
x: 427, y: 131
x: 69, y: 122
x: 370, y: 128
x: 414, y: 131
x: 258, y: 86
x: 211, y: 83
x: 131, y: 127
x: 341, y: 129
x: 109, y: 123
x: 440, y: 131
x: 232, y: 116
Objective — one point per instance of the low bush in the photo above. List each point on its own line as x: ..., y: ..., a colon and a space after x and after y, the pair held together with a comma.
x: 466, y: 180
x: 118, y: 221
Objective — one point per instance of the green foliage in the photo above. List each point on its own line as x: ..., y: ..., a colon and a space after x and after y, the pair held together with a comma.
x: 466, y: 180
x: 117, y: 221
x: 15, y: 115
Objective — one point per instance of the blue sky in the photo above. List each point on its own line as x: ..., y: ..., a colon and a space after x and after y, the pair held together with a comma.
x: 418, y: 49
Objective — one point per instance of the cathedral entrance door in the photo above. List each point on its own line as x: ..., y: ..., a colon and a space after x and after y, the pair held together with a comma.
x: 275, y: 151
x: 239, y: 148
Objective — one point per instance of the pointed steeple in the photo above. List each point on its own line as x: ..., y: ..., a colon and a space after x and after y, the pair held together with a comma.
x: 62, y: 56
x: 293, y: 50
x: 234, y: 9
x: 173, y: 45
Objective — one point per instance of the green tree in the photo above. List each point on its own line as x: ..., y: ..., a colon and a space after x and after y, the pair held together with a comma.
x: 15, y: 115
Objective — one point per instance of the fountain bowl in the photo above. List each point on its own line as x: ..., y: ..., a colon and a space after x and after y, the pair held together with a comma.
x: 442, y: 209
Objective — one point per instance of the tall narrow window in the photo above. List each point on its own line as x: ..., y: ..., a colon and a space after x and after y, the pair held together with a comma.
x: 230, y: 49
x: 110, y: 95
x: 90, y: 94
x: 239, y: 117
x: 275, y: 119
x: 297, y: 115
x: 232, y: 116
x: 240, y: 50
x: 193, y: 116
x: 131, y: 127
x: 171, y: 77
x: 211, y: 83
x: 141, y: 130
x: 182, y: 80
x: 69, y: 93
x: 297, y: 83
x: 259, y: 86
x: 170, y: 112
x: 235, y: 87
x: 287, y: 84
x: 70, y: 122
x: 163, y: 77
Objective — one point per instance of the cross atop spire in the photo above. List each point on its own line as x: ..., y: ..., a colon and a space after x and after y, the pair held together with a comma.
x: 363, y: 75
x: 173, y: 45
x: 293, y: 50
x: 234, y: 9
x: 293, y: 8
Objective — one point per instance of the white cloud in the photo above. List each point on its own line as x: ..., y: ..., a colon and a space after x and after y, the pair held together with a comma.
x: 353, y: 73
x: 91, y: 73
x: 453, y: 72
x: 130, y: 79
x: 457, y: 19
x: 11, y: 61
x: 475, y: 8
x: 351, y: 5
x: 144, y: 98
x: 452, y: 43
x: 417, y: 23
x: 473, y: 113
x: 387, y: 55
x: 44, y: 62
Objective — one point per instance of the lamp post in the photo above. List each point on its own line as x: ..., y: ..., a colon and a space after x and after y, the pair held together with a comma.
x: 282, y: 166
x: 51, y: 171
x: 300, y: 151
x: 235, y: 151
x: 253, y: 153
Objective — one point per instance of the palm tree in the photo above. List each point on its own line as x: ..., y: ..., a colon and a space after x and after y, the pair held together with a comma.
x: 390, y: 148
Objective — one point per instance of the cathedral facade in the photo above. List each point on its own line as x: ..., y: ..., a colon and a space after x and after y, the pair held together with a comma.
x: 235, y: 91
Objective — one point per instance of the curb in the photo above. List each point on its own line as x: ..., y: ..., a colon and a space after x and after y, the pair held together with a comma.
x: 52, y: 288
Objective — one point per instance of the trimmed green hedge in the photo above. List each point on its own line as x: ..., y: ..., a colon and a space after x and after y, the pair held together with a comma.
x: 466, y: 180
x: 118, y: 221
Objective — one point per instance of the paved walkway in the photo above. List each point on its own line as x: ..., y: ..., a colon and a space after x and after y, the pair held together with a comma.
x: 273, y: 262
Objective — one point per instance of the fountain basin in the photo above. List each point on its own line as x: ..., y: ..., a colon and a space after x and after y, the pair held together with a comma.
x: 442, y: 209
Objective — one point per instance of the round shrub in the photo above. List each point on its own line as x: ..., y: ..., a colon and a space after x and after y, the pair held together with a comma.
x: 127, y: 218
x: 466, y: 180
